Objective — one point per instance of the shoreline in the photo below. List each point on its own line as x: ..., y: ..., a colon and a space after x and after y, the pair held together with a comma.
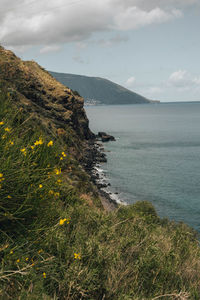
x: 95, y: 156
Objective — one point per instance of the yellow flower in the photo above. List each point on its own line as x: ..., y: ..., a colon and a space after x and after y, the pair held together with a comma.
x: 9, y: 197
x: 1, y: 177
x: 18, y: 260
x: 77, y: 256
x: 59, y: 181
x: 57, y: 171
x: 40, y: 186
x: 50, y: 144
x: 11, y: 142
x: 32, y: 147
x: 62, y: 221
x: 7, y: 129
x: 39, y: 142
x: 51, y: 192
x: 44, y: 275
x: 63, y: 154
x: 1, y: 123
x: 26, y: 258
x: 23, y: 151
x: 61, y: 158
x: 57, y: 194
x: 11, y: 252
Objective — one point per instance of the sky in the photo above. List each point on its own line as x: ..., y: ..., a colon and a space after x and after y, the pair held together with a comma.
x: 151, y: 47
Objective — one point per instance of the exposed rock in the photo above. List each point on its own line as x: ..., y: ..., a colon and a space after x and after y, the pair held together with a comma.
x: 38, y: 92
x: 105, y: 137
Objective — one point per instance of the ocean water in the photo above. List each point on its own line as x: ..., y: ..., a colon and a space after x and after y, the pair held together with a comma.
x: 156, y: 156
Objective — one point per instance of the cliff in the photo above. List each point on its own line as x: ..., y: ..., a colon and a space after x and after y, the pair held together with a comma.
x: 50, y: 102
x: 56, y: 240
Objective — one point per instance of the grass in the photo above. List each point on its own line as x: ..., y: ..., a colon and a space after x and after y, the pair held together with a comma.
x: 57, y: 242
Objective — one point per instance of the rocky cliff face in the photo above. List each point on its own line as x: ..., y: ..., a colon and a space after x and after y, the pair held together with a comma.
x: 48, y: 101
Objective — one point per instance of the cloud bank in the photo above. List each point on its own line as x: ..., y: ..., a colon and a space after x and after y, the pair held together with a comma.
x: 182, y: 79
x: 49, y: 22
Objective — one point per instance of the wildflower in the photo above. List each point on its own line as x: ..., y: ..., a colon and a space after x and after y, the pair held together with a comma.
x: 51, y: 192
x: 11, y: 252
x: 44, y: 275
x: 39, y: 142
x: 9, y: 197
x: 57, y: 194
x: 77, y: 256
x: 59, y: 181
x: 23, y: 151
x: 40, y: 186
x: 63, y: 154
x: 62, y: 221
x: 1, y: 177
x: 18, y: 260
x: 1, y: 123
x: 40, y: 251
x: 11, y: 143
x: 7, y: 129
x: 27, y: 258
x: 50, y: 144
x: 32, y: 147
x: 58, y: 171
x: 61, y: 158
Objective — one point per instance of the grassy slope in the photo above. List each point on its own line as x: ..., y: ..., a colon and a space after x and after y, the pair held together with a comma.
x: 129, y: 254
x: 58, y: 243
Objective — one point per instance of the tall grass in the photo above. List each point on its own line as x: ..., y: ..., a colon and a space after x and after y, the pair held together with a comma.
x: 56, y: 245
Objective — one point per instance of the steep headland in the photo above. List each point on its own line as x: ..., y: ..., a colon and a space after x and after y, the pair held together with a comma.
x: 57, y: 241
x: 97, y: 90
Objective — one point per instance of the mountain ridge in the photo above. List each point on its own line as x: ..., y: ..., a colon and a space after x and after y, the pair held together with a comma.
x: 97, y: 90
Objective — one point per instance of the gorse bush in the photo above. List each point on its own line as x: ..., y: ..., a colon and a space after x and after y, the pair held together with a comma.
x: 57, y: 242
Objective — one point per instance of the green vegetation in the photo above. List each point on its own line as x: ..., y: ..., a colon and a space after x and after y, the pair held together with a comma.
x: 58, y: 243
x: 100, y: 90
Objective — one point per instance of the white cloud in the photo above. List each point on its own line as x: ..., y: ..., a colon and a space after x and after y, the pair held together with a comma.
x: 36, y: 22
x: 134, y: 17
x: 117, y: 39
x: 50, y: 48
x: 154, y: 90
x: 183, y: 80
x: 130, y: 81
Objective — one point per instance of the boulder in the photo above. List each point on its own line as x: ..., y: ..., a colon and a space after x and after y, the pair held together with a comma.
x: 105, y: 137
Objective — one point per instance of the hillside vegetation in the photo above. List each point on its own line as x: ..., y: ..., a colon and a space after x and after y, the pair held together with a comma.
x: 56, y: 241
x: 99, y: 90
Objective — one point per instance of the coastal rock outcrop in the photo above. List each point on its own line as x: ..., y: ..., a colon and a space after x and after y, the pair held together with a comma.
x: 105, y: 137
x: 39, y: 93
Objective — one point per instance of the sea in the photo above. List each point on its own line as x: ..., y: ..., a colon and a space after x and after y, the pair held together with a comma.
x: 156, y: 156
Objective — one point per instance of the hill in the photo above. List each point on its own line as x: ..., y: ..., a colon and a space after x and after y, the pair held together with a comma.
x: 97, y: 90
x: 56, y: 239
